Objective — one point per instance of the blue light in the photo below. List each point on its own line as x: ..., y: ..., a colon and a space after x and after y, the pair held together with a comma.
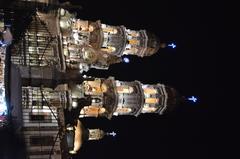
x: 172, y: 45
x: 113, y: 134
x: 193, y: 99
x: 3, y: 104
x: 126, y: 60
x: 2, y: 44
x: 3, y: 109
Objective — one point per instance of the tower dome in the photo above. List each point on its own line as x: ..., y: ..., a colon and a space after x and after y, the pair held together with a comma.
x: 174, y: 98
x: 153, y: 44
x: 77, y: 134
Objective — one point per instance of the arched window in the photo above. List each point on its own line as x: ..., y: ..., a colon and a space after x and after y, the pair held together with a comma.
x: 110, y: 30
x: 94, y: 87
x: 125, y: 89
x: 92, y: 111
x: 123, y: 110
x: 133, y: 33
x: 147, y: 109
x: 150, y: 91
x: 151, y: 100
x: 109, y: 49
x: 133, y: 41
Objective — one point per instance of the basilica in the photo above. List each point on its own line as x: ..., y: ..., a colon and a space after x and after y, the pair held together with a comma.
x: 44, y: 51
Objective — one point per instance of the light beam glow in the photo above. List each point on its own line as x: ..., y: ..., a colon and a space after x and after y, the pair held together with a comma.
x: 112, y: 134
x: 172, y: 45
x: 126, y: 60
x: 193, y: 99
x: 3, y: 105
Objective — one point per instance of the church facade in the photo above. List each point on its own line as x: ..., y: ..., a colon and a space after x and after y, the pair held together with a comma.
x: 41, y: 76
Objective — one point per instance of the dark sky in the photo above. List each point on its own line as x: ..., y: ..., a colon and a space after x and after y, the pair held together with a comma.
x: 190, y: 68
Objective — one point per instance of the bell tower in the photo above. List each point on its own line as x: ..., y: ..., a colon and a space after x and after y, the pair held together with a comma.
x: 159, y: 98
x: 135, y: 98
x: 119, y: 40
x: 110, y: 97
x: 88, y: 44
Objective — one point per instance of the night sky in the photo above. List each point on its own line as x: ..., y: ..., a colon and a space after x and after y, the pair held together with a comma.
x: 190, y: 68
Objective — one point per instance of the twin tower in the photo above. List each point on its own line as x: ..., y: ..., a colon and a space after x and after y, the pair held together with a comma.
x: 88, y: 45
x: 47, y: 61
